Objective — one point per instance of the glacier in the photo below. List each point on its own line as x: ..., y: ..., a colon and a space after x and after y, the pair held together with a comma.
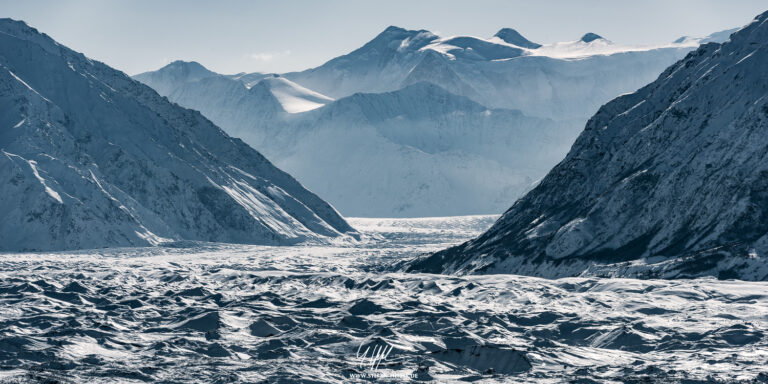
x: 254, y: 313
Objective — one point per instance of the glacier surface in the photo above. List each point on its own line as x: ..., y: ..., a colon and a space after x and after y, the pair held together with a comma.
x: 244, y: 313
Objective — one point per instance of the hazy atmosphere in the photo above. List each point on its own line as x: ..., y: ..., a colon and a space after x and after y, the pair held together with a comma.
x: 267, y: 36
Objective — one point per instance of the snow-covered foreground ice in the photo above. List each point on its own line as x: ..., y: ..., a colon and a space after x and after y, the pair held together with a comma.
x: 321, y: 313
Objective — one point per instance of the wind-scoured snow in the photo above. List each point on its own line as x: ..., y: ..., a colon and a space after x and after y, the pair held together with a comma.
x: 293, y: 97
x: 242, y: 313
x: 91, y: 158
x: 668, y: 182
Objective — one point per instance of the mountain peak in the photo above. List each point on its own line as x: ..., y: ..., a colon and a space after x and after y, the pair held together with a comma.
x: 7, y: 24
x: 7, y: 21
x: 394, y: 33
x: 189, y: 70
x: 397, y: 39
x: 20, y: 30
x: 192, y: 66
x: 394, y: 28
x: 590, y: 37
x: 163, y: 79
x: 513, y: 37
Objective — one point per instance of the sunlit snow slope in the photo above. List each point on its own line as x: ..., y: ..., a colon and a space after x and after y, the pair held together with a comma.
x: 293, y: 97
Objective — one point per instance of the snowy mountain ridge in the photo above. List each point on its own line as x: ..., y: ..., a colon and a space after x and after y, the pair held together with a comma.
x: 509, y: 44
x: 562, y: 81
x: 91, y: 158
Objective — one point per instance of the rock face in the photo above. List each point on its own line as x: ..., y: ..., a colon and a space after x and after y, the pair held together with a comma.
x: 669, y: 181
x: 91, y: 158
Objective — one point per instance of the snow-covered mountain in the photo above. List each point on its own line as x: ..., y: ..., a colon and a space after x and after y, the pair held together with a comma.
x: 417, y: 151
x: 669, y: 181
x: 177, y: 72
x: 91, y: 158
x: 561, y: 80
x: 352, y: 151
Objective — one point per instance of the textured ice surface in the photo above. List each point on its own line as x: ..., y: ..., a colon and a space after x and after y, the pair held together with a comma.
x: 233, y: 313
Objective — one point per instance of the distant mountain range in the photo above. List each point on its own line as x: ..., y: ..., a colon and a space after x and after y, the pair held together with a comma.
x: 412, y: 124
x: 670, y: 181
x: 417, y: 151
x: 562, y: 80
x: 90, y: 158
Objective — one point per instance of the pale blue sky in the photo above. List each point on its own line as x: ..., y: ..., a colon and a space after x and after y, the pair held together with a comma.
x: 280, y: 36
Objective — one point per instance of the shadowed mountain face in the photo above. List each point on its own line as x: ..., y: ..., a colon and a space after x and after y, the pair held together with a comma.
x: 91, y: 158
x: 669, y: 181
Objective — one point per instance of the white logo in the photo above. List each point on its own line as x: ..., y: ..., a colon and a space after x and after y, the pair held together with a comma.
x: 371, y: 358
